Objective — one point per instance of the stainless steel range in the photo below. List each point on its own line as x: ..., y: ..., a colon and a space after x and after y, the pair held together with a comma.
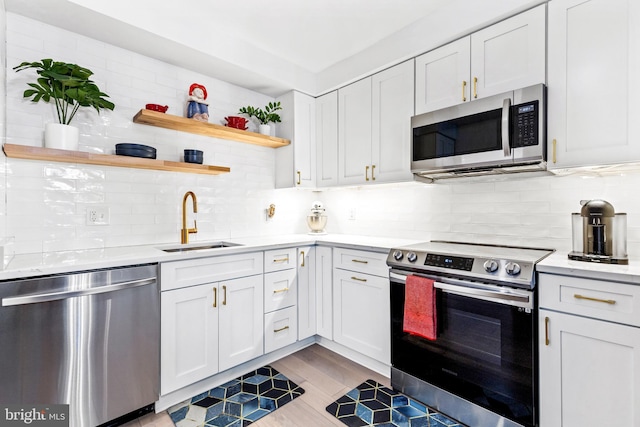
x: 478, y: 362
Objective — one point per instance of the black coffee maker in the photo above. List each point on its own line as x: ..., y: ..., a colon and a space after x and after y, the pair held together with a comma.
x: 599, y: 234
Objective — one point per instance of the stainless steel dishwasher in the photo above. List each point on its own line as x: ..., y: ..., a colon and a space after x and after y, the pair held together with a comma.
x: 89, y: 339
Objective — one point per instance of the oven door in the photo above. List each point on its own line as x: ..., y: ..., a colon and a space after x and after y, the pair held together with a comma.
x: 484, y: 350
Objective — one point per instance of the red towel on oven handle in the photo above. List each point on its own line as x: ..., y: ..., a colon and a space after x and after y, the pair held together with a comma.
x: 420, y: 307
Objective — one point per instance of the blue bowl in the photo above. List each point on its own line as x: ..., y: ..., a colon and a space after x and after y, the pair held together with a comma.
x: 193, y: 156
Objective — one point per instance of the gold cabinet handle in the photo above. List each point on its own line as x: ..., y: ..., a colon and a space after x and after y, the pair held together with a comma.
x: 546, y: 331
x: 278, y: 260
x: 302, y: 253
x: 366, y: 173
x: 281, y: 329
x: 553, y: 155
x: 298, y: 178
x: 215, y: 297
x: 224, y: 291
x: 606, y: 301
x: 277, y: 291
x: 464, y: 91
x: 475, y: 87
x: 358, y: 279
x: 360, y: 261
x: 373, y: 172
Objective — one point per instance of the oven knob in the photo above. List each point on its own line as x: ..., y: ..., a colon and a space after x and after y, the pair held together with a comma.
x: 397, y: 255
x: 412, y: 257
x: 512, y: 268
x: 491, y: 265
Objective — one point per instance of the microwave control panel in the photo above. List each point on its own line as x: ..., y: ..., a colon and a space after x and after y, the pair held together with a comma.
x: 524, y: 124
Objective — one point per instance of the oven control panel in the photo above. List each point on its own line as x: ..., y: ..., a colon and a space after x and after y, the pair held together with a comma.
x: 447, y: 261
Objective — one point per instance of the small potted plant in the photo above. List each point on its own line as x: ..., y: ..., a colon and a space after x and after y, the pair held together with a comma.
x: 264, y: 117
x: 70, y: 88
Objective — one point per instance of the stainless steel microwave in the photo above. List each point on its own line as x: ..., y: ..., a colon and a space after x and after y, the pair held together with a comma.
x: 502, y: 133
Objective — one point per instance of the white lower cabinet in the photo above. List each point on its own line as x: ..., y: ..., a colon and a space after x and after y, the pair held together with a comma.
x: 306, y: 292
x: 189, y: 336
x: 209, y: 328
x: 589, y: 362
x: 240, y: 335
x: 280, y: 328
x: 280, y: 299
x: 324, y: 292
x: 210, y: 321
x: 361, y: 309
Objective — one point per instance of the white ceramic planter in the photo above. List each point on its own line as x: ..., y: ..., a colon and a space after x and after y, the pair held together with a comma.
x: 264, y: 129
x: 62, y: 137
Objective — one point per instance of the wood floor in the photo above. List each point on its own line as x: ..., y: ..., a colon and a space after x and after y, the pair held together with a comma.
x: 323, y: 374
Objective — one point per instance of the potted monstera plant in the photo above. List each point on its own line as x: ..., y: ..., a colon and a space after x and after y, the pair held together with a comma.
x: 69, y: 87
x: 264, y: 116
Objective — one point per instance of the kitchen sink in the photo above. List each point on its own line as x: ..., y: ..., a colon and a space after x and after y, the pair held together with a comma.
x: 212, y: 245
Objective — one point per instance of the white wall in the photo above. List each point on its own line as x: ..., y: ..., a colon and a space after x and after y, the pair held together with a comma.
x: 47, y: 202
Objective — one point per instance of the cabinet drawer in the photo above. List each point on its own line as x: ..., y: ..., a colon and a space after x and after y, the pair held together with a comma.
x: 280, y: 290
x: 279, y: 259
x: 362, y: 261
x: 280, y: 328
x: 616, y: 302
x: 180, y: 274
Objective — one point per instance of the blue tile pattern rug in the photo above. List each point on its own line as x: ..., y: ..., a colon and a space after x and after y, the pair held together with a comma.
x: 237, y: 403
x: 372, y: 404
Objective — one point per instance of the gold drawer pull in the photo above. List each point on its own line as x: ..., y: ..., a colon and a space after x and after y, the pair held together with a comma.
x: 360, y: 261
x: 366, y: 173
x: 475, y: 87
x: 281, y: 329
x: 358, y: 279
x: 464, y: 90
x: 546, y: 331
x: 286, y: 259
x: 277, y: 291
x: 215, y: 297
x: 298, y: 182
x: 302, y: 253
x: 606, y: 301
x: 224, y: 291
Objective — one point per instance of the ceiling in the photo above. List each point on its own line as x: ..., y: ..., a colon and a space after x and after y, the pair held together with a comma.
x: 273, y: 46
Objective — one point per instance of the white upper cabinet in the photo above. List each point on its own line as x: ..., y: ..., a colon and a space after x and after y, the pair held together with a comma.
x: 296, y: 163
x: 392, y: 103
x: 354, y: 132
x: 373, y: 127
x: 327, y: 139
x: 442, y: 76
x: 594, y: 64
x: 506, y: 56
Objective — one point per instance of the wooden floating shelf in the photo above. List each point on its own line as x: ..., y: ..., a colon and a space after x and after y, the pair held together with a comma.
x: 168, y: 121
x: 55, y: 155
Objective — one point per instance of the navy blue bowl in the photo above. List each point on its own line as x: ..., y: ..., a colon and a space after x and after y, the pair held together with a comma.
x: 193, y: 156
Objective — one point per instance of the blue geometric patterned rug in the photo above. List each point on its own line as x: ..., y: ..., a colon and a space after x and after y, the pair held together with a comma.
x: 237, y: 403
x: 372, y: 404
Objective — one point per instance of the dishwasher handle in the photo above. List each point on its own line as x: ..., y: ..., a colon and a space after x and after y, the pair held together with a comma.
x: 54, y: 296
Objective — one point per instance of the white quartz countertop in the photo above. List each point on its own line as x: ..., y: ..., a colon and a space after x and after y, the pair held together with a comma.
x: 559, y: 263
x: 41, y: 264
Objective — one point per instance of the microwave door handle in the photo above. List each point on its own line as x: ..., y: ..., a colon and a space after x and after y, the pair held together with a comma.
x: 506, y: 107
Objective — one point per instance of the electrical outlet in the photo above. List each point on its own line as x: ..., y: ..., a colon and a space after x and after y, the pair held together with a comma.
x: 352, y: 214
x: 98, y: 215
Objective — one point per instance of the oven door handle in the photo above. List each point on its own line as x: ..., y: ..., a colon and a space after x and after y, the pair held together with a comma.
x: 502, y: 296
